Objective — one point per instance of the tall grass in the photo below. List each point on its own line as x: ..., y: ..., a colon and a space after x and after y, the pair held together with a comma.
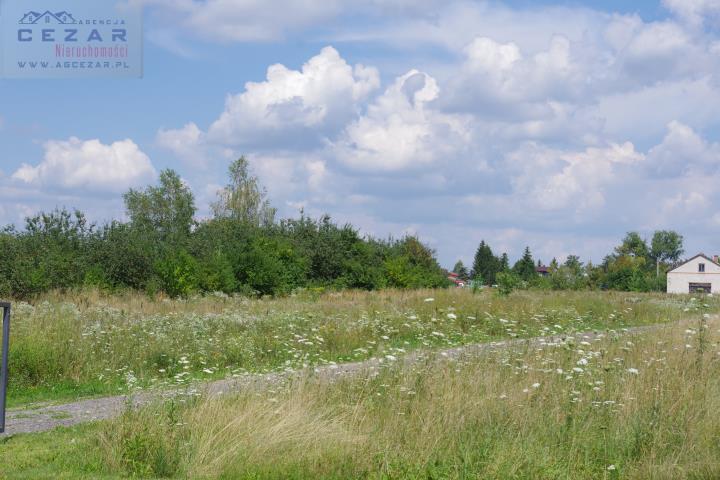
x: 74, y: 344
x: 631, y: 406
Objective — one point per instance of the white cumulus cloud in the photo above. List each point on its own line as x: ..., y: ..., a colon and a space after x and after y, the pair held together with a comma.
x: 325, y: 93
x: 561, y: 180
x: 694, y: 11
x: 683, y: 152
x: 89, y: 165
x: 402, y: 129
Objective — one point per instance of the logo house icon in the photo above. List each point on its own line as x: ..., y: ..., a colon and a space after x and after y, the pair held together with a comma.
x: 35, y: 18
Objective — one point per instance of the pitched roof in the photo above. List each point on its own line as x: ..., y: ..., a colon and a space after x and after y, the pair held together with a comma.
x: 693, y: 258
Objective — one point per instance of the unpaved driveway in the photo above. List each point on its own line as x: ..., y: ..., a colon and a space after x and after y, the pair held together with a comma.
x: 43, y: 418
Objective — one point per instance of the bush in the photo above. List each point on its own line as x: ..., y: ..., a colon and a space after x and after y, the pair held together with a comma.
x: 506, y: 283
x: 270, y: 266
x: 178, y: 274
x: 217, y: 275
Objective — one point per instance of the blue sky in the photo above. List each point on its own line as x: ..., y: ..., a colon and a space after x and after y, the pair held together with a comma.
x: 558, y: 125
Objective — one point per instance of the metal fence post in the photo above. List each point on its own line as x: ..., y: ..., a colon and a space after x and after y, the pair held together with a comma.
x: 4, y: 367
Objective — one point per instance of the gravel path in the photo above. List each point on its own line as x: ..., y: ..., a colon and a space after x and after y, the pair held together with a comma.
x: 42, y: 418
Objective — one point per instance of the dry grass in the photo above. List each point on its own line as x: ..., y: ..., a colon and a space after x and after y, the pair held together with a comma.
x: 615, y: 406
x: 84, y: 343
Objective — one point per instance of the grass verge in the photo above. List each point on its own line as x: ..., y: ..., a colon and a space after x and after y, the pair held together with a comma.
x: 86, y: 344
x: 637, y: 407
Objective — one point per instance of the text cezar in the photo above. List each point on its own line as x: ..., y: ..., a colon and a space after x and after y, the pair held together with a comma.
x: 71, y: 35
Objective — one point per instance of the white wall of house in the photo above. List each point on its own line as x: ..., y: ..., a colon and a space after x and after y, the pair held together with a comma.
x: 679, y: 279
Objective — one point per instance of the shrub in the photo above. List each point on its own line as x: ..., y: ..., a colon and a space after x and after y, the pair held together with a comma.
x: 506, y: 282
x: 216, y: 274
x: 178, y: 274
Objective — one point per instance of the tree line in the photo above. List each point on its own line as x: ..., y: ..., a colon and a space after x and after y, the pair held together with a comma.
x: 634, y: 265
x: 242, y: 248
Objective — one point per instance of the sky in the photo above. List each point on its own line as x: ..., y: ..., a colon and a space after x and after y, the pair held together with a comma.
x: 555, y: 125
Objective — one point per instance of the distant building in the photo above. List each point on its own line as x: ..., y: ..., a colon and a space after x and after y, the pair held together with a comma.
x: 453, y: 277
x: 700, y: 274
x: 543, y: 271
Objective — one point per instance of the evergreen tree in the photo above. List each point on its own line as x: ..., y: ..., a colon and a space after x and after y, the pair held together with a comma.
x: 554, y: 266
x: 574, y: 264
x: 486, y: 265
x: 504, y: 263
x: 525, y: 267
x: 461, y: 271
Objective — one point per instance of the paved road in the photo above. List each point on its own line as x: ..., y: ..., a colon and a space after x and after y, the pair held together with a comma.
x: 43, y: 418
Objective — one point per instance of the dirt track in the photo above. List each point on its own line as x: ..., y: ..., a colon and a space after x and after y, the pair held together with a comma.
x: 43, y: 418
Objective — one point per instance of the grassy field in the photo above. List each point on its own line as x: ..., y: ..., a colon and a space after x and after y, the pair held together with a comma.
x: 66, y: 346
x: 609, y: 406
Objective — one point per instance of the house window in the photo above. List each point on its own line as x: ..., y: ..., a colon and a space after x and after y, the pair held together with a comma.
x: 701, y: 268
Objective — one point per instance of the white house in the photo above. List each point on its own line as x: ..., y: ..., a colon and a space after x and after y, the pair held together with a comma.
x: 699, y: 274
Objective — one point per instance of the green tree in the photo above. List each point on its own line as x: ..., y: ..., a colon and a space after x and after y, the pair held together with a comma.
x: 461, y: 271
x: 504, y: 263
x: 243, y: 199
x: 628, y: 273
x: 574, y: 264
x: 485, y: 265
x: 52, y: 252
x: 666, y: 246
x: 179, y: 273
x: 525, y: 267
x: 507, y: 282
x: 166, y: 211
x: 634, y: 245
x: 554, y: 265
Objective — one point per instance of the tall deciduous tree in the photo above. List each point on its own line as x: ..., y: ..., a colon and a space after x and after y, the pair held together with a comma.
x: 666, y: 246
x: 166, y: 210
x: 633, y: 245
x: 243, y: 199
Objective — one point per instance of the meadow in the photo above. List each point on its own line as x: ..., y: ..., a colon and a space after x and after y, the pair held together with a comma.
x: 71, y: 345
x: 610, y: 405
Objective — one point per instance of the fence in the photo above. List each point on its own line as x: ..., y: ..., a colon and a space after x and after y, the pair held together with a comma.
x: 4, y: 366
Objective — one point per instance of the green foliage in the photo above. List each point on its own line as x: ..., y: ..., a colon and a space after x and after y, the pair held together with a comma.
x: 415, y: 267
x: 243, y: 249
x: 164, y: 212
x: 243, y: 199
x: 461, y: 271
x: 635, y: 267
x: 216, y: 274
x: 126, y: 256
x: 486, y: 265
x: 507, y: 282
x: 666, y: 246
x: 179, y: 274
x: 633, y: 245
x: 525, y: 267
x: 270, y: 266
